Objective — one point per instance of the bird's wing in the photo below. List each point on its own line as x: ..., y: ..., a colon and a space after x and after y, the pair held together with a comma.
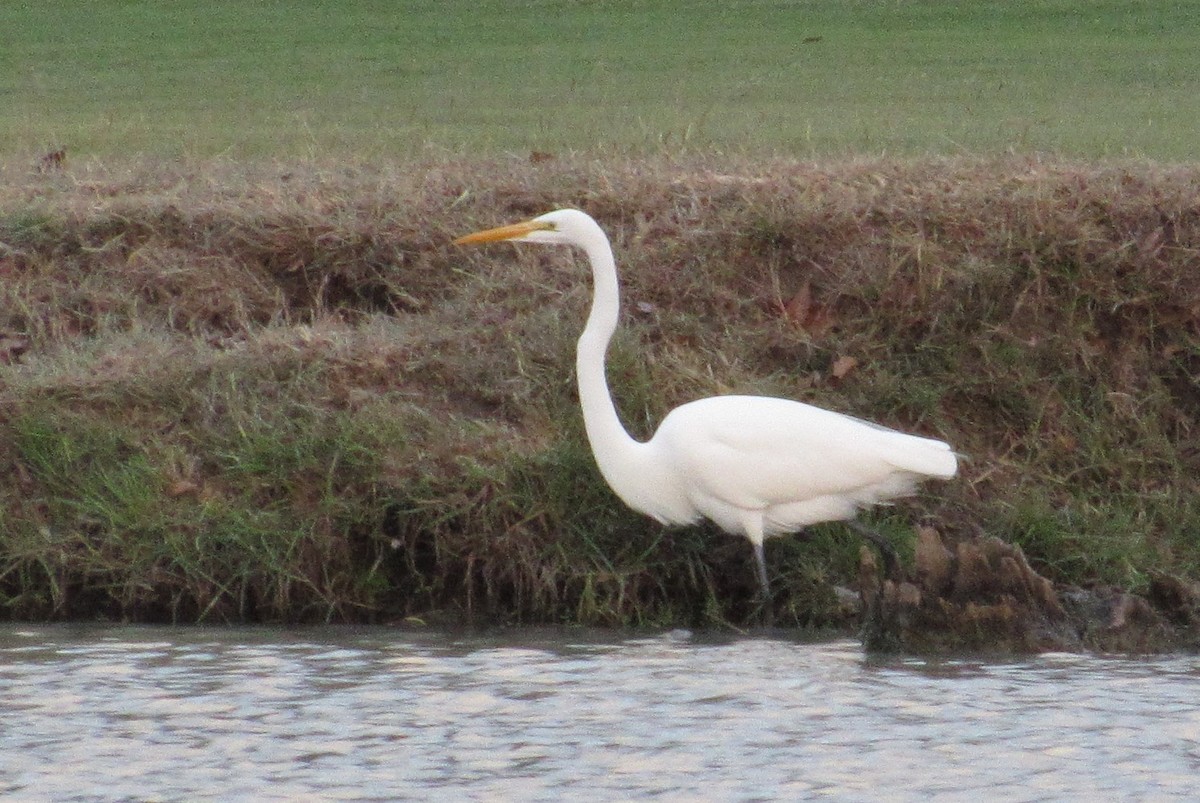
x: 758, y: 452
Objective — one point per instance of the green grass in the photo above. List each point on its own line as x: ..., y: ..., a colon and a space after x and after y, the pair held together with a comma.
x: 240, y: 393
x: 233, y: 391
x: 379, y: 79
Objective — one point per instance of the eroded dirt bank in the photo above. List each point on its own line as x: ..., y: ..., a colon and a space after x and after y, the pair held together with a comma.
x: 279, y: 393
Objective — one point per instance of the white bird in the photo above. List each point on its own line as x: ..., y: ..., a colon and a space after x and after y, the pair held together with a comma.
x: 754, y: 465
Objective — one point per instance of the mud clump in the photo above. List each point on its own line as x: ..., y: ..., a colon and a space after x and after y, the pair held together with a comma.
x: 982, y: 594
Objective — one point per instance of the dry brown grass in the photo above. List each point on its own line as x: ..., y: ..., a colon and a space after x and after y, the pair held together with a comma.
x: 298, y: 353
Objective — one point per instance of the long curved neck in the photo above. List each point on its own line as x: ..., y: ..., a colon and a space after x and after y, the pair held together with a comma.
x: 616, y: 451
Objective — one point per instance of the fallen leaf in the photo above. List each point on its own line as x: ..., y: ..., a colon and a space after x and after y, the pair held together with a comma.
x: 182, y: 487
x: 799, y: 308
x: 842, y: 366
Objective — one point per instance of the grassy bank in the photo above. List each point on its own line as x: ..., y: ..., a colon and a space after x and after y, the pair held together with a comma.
x: 826, y: 77
x: 232, y: 393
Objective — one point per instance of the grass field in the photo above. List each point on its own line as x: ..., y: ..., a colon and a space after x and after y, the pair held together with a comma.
x: 379, y: 79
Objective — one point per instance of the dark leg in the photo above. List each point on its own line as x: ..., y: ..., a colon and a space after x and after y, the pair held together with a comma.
x: 891, y: 561
x: 761, y: 560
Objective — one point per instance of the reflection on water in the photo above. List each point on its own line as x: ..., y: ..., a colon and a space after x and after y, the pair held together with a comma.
x: 177, y: 714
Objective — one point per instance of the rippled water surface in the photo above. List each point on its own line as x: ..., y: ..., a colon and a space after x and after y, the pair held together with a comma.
x: 186, y: 714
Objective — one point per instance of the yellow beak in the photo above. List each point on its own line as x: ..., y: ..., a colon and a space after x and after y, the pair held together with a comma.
x: 503, y: 232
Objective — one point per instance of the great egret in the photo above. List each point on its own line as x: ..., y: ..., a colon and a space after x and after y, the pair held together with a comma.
x: 756, y: 466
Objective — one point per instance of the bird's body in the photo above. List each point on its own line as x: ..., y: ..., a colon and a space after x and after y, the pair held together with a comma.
x: 762, y: 466
x: 755, y: 465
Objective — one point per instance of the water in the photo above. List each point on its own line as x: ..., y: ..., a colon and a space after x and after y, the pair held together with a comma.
x: 380, y: 714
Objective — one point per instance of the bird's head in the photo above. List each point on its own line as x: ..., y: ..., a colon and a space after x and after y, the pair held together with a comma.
x: 560, y: 227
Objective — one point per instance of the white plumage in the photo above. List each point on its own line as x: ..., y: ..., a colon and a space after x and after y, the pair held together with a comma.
x: 754, y: 465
